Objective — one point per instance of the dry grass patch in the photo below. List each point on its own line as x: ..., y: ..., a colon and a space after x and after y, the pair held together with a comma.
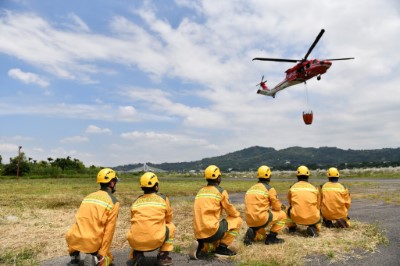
x: 335, y: 244
x: 37, y: 232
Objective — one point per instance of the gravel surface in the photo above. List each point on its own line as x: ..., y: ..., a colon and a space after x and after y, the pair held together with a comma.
x: 362, y: 210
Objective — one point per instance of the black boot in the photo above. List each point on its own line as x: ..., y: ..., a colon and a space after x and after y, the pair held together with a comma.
x: 292, y: 229
x: 271, y: 239
x: 312, y: 231
x: 223, y: 250
x: 138, y: 258
x: 164, y: 259
x: 341, y: 223
x: 328, y: 223
x: 249, y: 237
x: 75, y: 258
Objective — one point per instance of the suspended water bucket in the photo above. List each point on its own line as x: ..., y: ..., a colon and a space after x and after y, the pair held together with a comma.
x: 308, y: 117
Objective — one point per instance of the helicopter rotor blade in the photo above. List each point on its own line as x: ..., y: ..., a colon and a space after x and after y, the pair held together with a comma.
x: 337, y: 59
x: 314, y: 44
x: 276, y: 59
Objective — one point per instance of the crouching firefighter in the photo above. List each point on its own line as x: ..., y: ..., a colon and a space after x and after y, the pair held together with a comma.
x: 151, y: 223
x: 213, y: 234
x: 304, y: 204
x: 93, y: 231
x: 263, y: 209
x: 335, y: 203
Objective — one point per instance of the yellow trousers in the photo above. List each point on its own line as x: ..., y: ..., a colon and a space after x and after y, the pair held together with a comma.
x: 277, y: 224
x: 168, y: 245
x: 234, y: 224
x: 289, y: 223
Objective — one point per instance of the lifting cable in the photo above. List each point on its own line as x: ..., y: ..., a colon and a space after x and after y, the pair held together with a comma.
x: 306, y: 92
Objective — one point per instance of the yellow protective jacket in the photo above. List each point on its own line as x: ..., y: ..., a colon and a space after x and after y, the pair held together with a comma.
x: 208, y: 206
x: 258, y: 201
x: 149, y: 215
x: 335, y: 203
x: 304, y: 203
x: 94, y: 228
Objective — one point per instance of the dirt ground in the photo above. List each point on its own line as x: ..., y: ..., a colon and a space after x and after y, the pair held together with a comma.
x: 385, y: 215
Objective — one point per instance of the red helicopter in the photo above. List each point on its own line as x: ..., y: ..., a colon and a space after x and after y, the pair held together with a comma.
x: 301, y: 72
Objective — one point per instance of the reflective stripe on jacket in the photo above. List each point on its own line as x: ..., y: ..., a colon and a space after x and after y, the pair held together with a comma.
x: 335, y: 202
x: 95, y: 223
x: 304, y: 200
x: 258, y: 200
x: 149, y: 215
x: 208, y: 206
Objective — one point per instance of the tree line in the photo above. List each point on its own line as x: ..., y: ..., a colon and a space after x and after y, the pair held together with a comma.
x: 59, y: 167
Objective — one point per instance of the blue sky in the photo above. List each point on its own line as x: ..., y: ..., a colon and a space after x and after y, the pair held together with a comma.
x: 119, y: 82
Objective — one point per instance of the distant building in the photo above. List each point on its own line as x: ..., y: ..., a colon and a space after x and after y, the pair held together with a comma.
x: 145, y: 168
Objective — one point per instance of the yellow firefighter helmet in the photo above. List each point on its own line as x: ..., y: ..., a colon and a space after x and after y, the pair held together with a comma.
x: 303, y: 170
x: 212, y: 172
x: 264, y: 172
x: 333, y: 172
x: 148, y: 179
x: 106, y: 175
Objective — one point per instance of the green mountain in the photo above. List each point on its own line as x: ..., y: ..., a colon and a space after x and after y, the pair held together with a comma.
x: 288, y: 159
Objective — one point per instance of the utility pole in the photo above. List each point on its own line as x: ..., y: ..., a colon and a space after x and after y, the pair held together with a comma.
x: 19, y: 156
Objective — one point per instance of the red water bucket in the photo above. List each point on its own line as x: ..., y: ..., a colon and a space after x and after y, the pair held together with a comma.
x: 308, y: 117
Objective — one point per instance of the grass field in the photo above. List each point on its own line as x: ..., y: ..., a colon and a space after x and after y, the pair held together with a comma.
x: 36, y: 213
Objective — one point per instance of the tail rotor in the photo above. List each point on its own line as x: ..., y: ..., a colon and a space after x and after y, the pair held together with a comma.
x: 262, y: 84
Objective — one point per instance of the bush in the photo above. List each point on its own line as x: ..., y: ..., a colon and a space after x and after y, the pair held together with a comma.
x: 12, y: 168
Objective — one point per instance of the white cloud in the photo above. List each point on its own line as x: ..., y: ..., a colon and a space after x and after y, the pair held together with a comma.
x: 192, y: 116
x: 79, y: 22
x: 75, y: 111
x: 127, y: 113
x: 38, y: 149
x: 8, y: 148
x: 167, y: 147
x: 19, y: 138
x: 74, y: 139
x: 61, y: 152
x: 92, y: 129
x: 165, y: 138
x: 67, y: 55
x: 27, y: 77
x: 152, y: 136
